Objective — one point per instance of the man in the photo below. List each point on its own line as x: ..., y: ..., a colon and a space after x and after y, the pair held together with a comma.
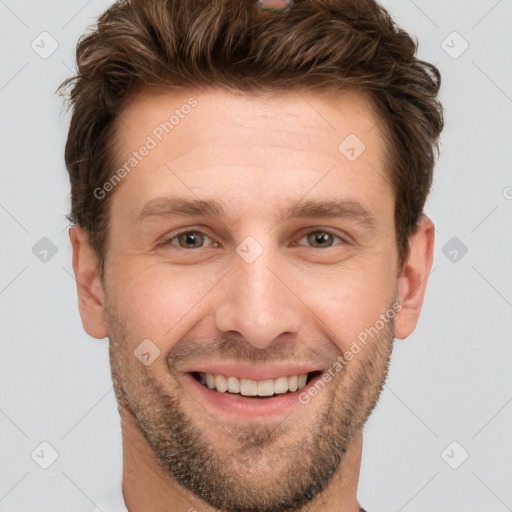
x: 247, y: 185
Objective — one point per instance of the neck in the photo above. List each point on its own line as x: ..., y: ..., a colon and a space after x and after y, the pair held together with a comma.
x: 146, y: 486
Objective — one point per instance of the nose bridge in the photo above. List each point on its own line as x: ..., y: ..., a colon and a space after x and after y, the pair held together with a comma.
x: 255, y: 302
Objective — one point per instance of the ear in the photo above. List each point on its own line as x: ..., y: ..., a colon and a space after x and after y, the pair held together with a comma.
x: 88, y: 284
x: 413, y: 278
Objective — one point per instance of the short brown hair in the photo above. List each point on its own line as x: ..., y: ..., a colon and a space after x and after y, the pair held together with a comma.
x: 323, y: 44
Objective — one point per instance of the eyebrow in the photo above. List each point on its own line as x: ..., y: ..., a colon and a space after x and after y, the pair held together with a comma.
x: 334, y: 208
x: 177, y: 206
x: 315, y: 208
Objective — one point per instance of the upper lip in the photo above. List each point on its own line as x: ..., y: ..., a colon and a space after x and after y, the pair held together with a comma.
x: 254, y: 372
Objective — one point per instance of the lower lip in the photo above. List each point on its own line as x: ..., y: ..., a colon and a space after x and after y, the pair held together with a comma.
x: 247, y: 407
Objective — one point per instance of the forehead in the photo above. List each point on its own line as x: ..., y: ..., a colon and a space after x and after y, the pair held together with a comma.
x: 324, y: 116
x: 268, y: 145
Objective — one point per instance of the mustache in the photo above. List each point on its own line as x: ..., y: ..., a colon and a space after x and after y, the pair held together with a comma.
x: 232, y: 349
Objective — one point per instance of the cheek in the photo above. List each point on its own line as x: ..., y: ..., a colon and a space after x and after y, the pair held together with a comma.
x: 349, y: 300
x: 156, y: 301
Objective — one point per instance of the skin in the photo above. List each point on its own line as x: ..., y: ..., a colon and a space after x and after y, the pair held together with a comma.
x: 298, y: 301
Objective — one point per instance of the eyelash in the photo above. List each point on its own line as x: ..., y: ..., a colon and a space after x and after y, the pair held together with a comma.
x: 168, y: 241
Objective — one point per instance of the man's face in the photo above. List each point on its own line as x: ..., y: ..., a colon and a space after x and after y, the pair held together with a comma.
x: 258, y: 290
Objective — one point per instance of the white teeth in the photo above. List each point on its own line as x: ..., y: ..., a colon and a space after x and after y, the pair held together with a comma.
x: 233, y: 385
x: 281, y: 385
x: 221, y: 383
x: 266, y: 387
x: 249, y: 387
x: 292, y: 383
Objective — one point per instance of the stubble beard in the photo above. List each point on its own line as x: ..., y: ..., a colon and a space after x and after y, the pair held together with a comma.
x: 260, y: 471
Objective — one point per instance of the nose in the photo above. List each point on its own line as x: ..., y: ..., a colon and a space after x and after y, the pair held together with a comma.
x: 257, y: 304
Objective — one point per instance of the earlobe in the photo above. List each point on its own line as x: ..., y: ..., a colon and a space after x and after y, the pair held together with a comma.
x: 413, y: 278
x: 88, y: 283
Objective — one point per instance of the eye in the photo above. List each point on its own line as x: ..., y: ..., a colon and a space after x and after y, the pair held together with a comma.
x: 186, y: 239
x: 322, y: 239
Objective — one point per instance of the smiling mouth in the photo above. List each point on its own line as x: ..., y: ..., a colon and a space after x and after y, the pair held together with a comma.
x: 267, y: 388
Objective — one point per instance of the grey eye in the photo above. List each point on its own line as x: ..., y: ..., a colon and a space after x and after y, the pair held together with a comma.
x: 190, y: 239
x: 321, y: 239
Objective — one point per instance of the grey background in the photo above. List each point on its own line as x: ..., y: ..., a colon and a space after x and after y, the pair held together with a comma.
x: 450, y: 381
